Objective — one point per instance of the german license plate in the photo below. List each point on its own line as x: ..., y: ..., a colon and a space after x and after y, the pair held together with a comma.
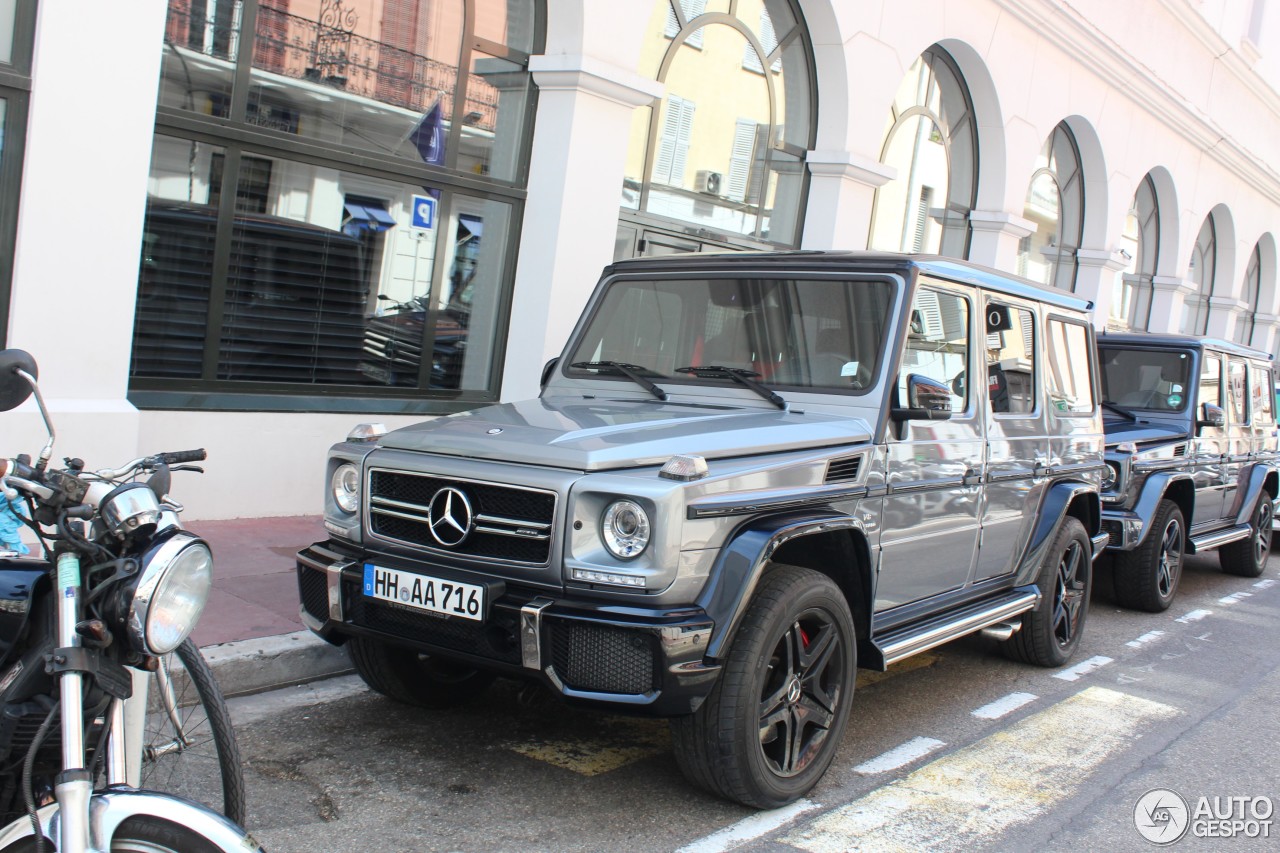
x: 423, y: 592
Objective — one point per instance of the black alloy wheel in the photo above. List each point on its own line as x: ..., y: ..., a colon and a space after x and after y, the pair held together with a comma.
x: 1248, y: 557
x: 1147, y: 577
x: 773, y: 722
x: 1050, y: 631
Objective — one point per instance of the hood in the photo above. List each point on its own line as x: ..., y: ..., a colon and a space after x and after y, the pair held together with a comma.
x: 599, y: 435
x: 1143, y: 432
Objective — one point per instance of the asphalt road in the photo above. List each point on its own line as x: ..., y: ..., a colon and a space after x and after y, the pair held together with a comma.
x: 957, y: 749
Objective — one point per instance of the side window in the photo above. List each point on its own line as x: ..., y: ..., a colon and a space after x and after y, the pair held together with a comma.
x: 1067, y: 348
x: 1264, y: 396
x: 1210, y: 381
x: 1011, y: 360
x: 938, y: 345
x: 1238, y: 391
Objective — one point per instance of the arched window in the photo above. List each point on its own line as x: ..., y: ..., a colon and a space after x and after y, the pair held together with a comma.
x: 1055, y: 203
x: 724, y: 148
x: 932, y: 142
x: 1140, y: 245
x: 1204, y: 264
x: 1252, y: 294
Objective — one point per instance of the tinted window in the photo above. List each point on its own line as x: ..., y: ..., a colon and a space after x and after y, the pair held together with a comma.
x: 1150, y: 379
x: 826, y: 334
x: 1238, y: 391
x: 1011, y: 362
x: 1211, y: 380
x: 1068, y: 370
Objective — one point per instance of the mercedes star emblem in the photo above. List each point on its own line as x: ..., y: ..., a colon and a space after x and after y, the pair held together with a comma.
x: 449, y: 515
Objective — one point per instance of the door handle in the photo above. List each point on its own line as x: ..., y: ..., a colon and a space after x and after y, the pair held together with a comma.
x: 972, y: 477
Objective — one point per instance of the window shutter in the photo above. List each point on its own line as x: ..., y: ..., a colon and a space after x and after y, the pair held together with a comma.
x: 684, y: 132
x: 667, y: 141
x: 922, y: 218
x: 744, y: 143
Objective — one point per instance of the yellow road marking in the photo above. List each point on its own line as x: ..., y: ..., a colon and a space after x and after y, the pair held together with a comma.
x: 624, y: 742
x: 1005, y: 779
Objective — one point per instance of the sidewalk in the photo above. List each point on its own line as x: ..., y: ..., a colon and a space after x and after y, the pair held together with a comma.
x: 250, y: 631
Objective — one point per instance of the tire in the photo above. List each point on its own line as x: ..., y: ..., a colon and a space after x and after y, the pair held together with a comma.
x: 1051, y: 631
x: 147, y: 834
x: 1146, y: 578
x: 413, y: 678
x: 1248, y: 557
x: 169, y: 766
x: 773, y: 722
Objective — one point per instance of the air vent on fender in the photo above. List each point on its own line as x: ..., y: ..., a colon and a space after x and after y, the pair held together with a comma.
x: 1180, y: 450
x: 843, y: 470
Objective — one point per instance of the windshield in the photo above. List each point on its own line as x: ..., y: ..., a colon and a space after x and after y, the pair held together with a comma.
x: 798, y: 333
x: 1153, y: 380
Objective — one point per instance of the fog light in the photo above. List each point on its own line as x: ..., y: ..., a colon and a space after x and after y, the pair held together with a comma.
x: 612, y: 578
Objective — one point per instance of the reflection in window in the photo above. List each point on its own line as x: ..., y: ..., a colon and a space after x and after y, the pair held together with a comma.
x: 1140, y: 246
x: 1252, y: 296
x: 1067, y: 352
x: 1055, y: 203
x: 1238, y: 391
x: 1263, y: 399
x: 724, y: 148
x: 937, y: 346
x: 8, y: 11
x: 932, y: 143
x: 1011, y: 360
x: 1211, y: 380
x: 330, y: 280
x: 1150, y: 379
x: 1204, y: 264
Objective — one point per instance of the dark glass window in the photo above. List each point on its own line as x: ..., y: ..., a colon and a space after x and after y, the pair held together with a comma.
x: 17, y: 29
x: 1067, y: 354
x: 1158, y: 380
x: 333, y: 190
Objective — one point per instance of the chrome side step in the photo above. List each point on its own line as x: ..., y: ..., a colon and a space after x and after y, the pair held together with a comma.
x: 1223, y: 537
x: 914, y: 639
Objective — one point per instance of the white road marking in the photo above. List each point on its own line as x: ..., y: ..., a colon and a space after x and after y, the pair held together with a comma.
x: 1085, y: 667
x: 969, y: 798
x: 1148, y: 637
x: 1193, y: 616
x: 1265, y: 583
x: 997, y: 709
x: 899, y: 756
x: 1234, y: 597
x: 749, y: 829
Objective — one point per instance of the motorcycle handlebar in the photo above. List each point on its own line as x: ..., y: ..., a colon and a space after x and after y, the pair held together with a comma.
x: 179, y: 456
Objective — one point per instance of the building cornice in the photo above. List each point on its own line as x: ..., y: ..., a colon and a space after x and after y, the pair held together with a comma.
x: 580, y: 73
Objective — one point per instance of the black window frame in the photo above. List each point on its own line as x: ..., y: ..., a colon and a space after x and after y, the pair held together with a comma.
x: 239, y: 138
x: 15, y: 90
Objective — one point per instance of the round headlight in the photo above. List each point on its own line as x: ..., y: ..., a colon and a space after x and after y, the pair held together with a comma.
x: 346, y: 488
x: 625, y: 529
x: 1110, y: 477
x: 171, y: 593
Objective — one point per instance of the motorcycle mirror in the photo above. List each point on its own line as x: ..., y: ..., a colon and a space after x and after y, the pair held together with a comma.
x: 160, y: 481
x: 14, y: 388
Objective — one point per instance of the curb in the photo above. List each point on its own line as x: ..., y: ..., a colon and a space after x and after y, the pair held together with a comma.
x: 268, y: 663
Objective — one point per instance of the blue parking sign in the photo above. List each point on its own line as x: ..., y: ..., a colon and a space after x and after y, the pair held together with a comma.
x: 424, y: 212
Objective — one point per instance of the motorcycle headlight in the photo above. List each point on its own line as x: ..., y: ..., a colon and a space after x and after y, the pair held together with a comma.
x: 173, y: 587
x: 625, y: 529
x: 345, y: 484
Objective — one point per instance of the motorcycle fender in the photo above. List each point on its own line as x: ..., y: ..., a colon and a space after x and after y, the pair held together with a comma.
x: 108, y: 809
x: 1057, y: 501
x: 1250, y: 493
x: 20, y: 584
x: 741, y: 562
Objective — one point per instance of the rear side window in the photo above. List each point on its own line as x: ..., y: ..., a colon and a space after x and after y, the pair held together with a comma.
x: 1263, y: 396
x: 1067, y: 349
x: 1011, y: 360
x: 1238, y: 391
x: 1211, y: 380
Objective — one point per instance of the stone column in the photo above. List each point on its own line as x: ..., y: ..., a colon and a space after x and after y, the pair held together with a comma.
x: 571, y: 216
x: 1098, y: 272
x: 1264, y: 332
x: 1167, y: 299
x: 1224, y: 316
x: 842, y: 192
x: 995, y: 238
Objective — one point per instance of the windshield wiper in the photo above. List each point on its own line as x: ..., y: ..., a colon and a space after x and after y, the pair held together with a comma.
x: 631, y: 371
x: 1120, y: 410
x: 737, y: 374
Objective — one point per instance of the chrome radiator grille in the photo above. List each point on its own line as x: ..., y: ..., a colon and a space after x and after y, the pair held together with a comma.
x: 501, y: 522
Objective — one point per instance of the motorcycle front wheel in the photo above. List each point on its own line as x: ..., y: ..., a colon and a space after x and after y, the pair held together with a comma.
x: 189, y: 747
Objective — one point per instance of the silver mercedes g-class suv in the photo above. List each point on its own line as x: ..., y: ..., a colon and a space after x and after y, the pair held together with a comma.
x: 747, y: 475
x: 1191, y: 456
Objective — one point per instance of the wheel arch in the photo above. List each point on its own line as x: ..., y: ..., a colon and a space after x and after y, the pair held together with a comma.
x: 831, y: 543
x: 1068, y: 498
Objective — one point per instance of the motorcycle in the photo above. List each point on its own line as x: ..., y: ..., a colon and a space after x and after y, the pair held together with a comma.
x: 102, y: 692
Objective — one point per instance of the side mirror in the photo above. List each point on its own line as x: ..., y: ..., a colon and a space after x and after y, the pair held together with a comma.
x: 547, y: 370
x: 1211, y: 415
x: 14, y: 388
x: 927, y: 400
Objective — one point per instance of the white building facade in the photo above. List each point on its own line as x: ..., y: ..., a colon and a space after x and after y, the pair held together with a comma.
x: 247, y: 225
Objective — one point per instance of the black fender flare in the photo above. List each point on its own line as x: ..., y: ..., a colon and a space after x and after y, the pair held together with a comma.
x: 741, y: 561
x: 1153, y: 491
x: 1054, y: 507
x: 1258, y: 474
